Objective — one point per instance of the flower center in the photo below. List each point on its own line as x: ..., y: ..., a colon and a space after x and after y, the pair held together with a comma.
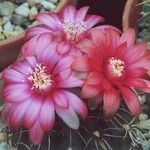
x: 116, y: 66
x: 39, y: 77
x: 74, y: 30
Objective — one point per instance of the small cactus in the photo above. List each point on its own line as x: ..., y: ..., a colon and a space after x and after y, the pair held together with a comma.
x: 145, y: 22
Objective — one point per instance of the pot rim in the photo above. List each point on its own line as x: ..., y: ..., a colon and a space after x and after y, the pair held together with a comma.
x: 129, y: 8
x: 12, y: 39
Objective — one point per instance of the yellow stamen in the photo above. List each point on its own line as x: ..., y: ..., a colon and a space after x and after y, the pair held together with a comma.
x: 39, y: 78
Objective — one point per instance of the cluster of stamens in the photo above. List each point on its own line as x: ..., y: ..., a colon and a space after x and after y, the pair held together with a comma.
x: 116, y: 66
x: 39, y: 77
x: 74, y: 30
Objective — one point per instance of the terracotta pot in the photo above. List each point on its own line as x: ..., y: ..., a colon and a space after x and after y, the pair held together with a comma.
x: 131, y: 14
x: 9, y: 49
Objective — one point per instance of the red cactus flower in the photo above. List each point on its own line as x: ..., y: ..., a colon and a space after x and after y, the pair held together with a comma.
x: 69, y: 28
x: 115, y: 66
x: 38, y: 86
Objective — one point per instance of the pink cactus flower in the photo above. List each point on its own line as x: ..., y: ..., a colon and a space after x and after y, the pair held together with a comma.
x: 115, y: 65
x: 69, y: 28
x: 37, y: 87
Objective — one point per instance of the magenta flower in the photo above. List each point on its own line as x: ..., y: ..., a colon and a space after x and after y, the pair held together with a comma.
x: 115, y: 66
x: 38, y: 86
x: 69, y: 28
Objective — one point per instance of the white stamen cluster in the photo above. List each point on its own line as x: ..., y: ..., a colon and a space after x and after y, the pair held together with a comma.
x: 117, y: 66
x: 39, y: 78
x: 74, y: 30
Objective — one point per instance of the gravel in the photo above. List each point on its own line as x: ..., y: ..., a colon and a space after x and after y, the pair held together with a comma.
x: 17, y: 15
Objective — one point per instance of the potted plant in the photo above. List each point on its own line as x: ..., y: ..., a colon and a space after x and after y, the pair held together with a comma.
x: 114, y: 67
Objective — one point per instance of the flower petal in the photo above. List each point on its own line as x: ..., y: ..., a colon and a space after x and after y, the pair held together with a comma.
x: 140, y: 84
x: 77, y: 104
x: 143, y: 62
x: 36, y: 31
x: 41, y: 41
x: 17, y: 115
x: 47, y: 115
x: 94, y: 78
x: 33, y: 112
x: 63, y: 47
x: 103, y: 27
x: 71, y: 82
x: 36, y: 133
x: 100, y: 40
x: 93, y: 20
x: 121, y: 50
x: 69, y: 13
x: 128, y: 36
x: 135, y: 73
x: 111, y: 102
x: 61, y: 99
x: 63, y: 64
x: 135, y: 53
x: 65, y: 74
x: 22, y: 67
x: 31, y: 60
x: 69, y: 117
x: 89, y: 91
x: 28, y: 49
x: 12, y: 75
x: 113, y: 39
x: 88, y: 47
x: 16, y: 93
x: 82, y: 64
x: 81, y: 13
x: 51, y: 20
x: 131, y: 100
x: 49, y: 56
